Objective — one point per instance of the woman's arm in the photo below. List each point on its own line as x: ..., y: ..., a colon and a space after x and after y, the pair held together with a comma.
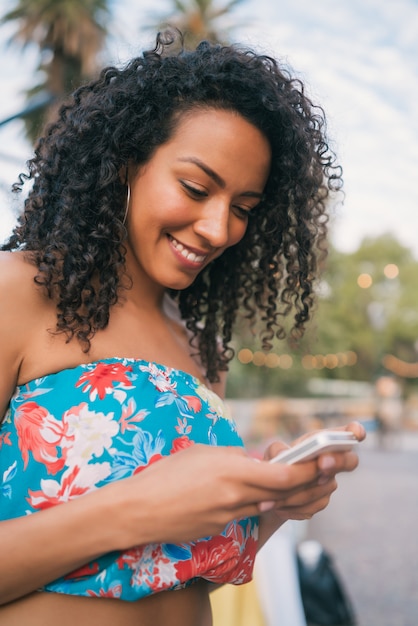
x: 188, y: 495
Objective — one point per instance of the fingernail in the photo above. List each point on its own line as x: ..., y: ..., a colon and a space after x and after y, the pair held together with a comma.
x: 263, y: 507
x: 327, y: 462
x: 322, y: 480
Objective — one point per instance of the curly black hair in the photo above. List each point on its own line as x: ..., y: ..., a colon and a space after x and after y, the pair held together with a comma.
x: 72, y: 224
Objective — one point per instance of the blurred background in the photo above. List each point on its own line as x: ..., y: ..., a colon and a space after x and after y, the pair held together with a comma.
x: 359, y: 357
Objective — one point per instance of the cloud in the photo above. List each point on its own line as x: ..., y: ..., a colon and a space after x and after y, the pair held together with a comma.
x: 360, y: 61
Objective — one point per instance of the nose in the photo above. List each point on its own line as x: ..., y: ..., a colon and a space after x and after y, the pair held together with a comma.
x: 212, y: 224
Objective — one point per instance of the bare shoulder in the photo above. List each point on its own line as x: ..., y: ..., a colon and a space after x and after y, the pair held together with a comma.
x: 23, y: 303
x: 17, y: 275
x: 14, y: 264
x: 20, y: 305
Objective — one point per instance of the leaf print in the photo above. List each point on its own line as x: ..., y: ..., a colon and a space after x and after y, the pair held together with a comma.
x: 183, y: 428
x: 178, y: 552
x: 153, y: 459
x: 5, y: 439
x: 213, y: 439
x: 145, y: 446
x: 6, y: 491
x: 146, y: 450
x: 33, y: 393
x: 119, y: 394
x: 8, y: 475
x: 128, y: 419
x: 165, y: 399
x: 123, y: 464
x: 184, y: 408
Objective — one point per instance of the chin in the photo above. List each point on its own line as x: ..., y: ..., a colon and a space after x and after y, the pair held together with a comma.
x: 178, y: 285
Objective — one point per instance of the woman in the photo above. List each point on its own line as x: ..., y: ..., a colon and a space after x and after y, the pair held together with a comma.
x: 167, y: 195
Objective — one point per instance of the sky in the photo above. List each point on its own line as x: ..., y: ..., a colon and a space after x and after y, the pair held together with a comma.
x: 359, y: 60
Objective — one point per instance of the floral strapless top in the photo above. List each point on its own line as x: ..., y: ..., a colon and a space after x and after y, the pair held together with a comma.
x: 68, y: 433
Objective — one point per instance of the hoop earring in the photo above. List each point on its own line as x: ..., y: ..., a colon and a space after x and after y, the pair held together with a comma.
x: 128, y: 197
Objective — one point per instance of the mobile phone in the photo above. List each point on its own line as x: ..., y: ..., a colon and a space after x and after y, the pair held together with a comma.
x: 319, y: 443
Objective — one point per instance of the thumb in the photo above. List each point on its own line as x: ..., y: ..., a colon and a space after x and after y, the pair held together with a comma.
x: 274, y: 449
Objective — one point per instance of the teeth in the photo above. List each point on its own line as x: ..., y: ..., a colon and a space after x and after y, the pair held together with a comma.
x: 190, y: 256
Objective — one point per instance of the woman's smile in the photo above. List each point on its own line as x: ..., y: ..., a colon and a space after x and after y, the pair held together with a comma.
x: 188, y: 254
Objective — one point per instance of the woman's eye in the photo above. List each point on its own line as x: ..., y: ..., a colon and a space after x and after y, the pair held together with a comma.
x: 194, y: 191
x: 242, y: 211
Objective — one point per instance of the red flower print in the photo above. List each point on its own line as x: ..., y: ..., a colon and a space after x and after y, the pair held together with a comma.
x: 91, y: 569
x: 180, y: 443
x: 113, y: 592
x: 242, y: 572
x: 100, y: 380
x: 193, y: 403
x: 211, y: 559
x: 221, y: 559
x: 40, y: 433
x: 130, y: 557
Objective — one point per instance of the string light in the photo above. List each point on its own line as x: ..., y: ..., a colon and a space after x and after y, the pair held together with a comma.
x: 286, y: 361
x: 391, y: 270
x: 364, y: 281
x: 399, y: 367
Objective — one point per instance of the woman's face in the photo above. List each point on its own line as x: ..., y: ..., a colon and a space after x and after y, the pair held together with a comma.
x: 191, y: 200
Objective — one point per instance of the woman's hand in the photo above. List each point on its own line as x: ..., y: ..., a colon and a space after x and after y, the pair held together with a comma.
x: 310, y: 497
x: 196, y: 492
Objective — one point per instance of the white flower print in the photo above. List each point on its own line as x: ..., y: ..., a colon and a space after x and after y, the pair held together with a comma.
x: 92, y: 434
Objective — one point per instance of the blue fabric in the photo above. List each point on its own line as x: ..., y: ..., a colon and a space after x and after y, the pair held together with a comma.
x: 70, y: 432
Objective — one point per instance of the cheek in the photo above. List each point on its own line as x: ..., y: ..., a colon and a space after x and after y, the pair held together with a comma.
x: 237, y: 232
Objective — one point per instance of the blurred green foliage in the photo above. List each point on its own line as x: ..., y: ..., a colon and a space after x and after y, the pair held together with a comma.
x: 370, y: 322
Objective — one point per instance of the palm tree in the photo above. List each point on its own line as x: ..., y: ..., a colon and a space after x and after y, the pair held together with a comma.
x: 70, y: 34
x: 200, y: 19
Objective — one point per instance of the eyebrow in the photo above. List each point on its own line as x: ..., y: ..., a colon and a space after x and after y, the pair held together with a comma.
x: 214, y: 176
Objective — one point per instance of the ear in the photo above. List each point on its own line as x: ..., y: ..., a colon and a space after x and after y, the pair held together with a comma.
x: 124, y: 174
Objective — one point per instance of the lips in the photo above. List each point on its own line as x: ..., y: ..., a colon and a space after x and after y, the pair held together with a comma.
x: 187, y: 253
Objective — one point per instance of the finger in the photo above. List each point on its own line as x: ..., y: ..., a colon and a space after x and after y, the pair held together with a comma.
x: 331, y: 464
x: 283, y: 476
x: 322, y: 489
x: 357, y: 429
x: 274, y: 449
x: 303, y: 512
